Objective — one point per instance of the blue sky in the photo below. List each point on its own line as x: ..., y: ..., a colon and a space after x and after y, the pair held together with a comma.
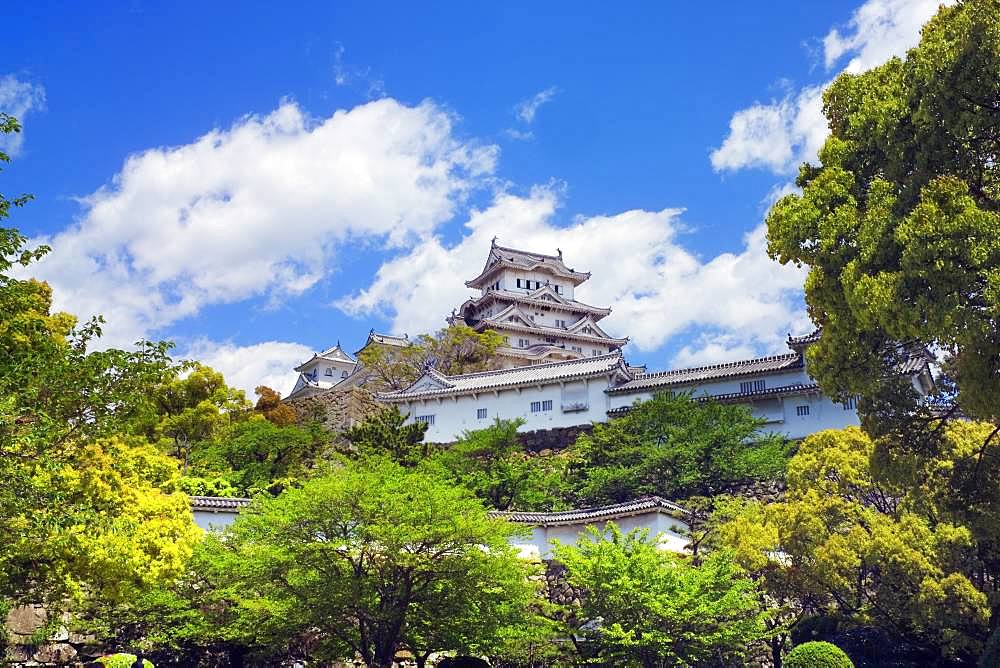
x: 254, y: 182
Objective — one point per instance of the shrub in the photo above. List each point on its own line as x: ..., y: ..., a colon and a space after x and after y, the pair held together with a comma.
x: 817, y: 654
x: 122, y: 660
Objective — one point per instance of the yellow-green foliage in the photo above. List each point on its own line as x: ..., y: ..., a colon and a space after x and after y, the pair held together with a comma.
x: 855, y: 543
x: 122, y: 660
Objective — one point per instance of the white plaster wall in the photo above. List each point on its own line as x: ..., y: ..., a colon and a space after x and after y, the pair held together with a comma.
x: 338, y: 368
x: 453, y: 415
x: 539, y: 544
x: 214, y: 520
x: 509, y: 278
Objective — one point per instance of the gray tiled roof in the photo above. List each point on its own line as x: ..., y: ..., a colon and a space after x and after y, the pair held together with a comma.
x: 639, y: 506
x: 501, y: 256
x: 805, y: 339
x: 218, y: 503
x: 713, y: 372
x: 736, y: 397
x: 523, y: 375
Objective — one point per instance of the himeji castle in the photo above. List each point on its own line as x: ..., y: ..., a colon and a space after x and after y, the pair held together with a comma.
x: 560, y: 369
x: 528, y: 298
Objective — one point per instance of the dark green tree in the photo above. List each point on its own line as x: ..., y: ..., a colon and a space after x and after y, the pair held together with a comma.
x: 899, y: 223
x: 675, y: 446
x: 493, y: 464
x: 386, y: 432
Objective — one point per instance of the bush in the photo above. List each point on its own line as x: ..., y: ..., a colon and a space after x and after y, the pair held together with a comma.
x: 122, y: 660
x: 991, y: 652
x: 817, y: 654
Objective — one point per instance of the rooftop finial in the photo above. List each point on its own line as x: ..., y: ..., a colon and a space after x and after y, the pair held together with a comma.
x: 494, y: 242
x: 559, y: 250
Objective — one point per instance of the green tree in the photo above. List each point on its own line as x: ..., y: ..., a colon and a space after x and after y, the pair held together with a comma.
x: 453, y: 350
x: 84, y: 512
x: 255, y: 454
x: 899, y: 222
x: 364, y: 560
x: 651, y: 608
x: 675, y: 446
x: 387, y: 433
x: 192, y: 406
x: 493, y: 464
x: 850, y: 544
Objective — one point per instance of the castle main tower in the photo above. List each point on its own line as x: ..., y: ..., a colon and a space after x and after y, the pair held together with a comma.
x: 528, y: 298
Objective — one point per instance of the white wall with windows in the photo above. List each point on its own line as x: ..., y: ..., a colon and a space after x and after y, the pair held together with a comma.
x: 542, y: 407
x: 582, y: 402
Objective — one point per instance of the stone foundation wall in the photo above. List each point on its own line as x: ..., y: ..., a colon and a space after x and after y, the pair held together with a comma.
x: 548, y: 441
x: 338, y: 410
x: 62, y: 647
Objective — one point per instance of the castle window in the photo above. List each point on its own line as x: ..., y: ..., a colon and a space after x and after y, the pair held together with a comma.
x: 480, y: 413
x: 519, y: 283
x: 561, y: 323
x: 329, y: 371
x: 541, y: 406
x: 851, y: 404
x: 748, y: 386
x: 426, y: 419
x: 557, y: 289
x: 523, y: 343
x: 801, y: 410
x: 343, y: 374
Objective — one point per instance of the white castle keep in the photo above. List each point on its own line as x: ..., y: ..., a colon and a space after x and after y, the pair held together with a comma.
x: 560, y: 369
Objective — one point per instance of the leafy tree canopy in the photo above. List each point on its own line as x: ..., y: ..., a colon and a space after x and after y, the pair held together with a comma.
x: 899, y: 222
x: 269, y: 405
x: 650, y: 608
x: 675, y: 446
x: 493, y: 464
x: 387, y: 433
x: 849, y: 543
x: 83, y: 510
x: 453, y: 350
x: 365, y: 560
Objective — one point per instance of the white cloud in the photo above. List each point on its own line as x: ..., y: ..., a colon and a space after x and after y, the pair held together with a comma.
x: 777, y: 136
x: 18, y: 99
x: 657, y: 288
x: 713, y: 349
x: 879, y: 30
x: 526, y: 109
x: 259, y: 209
x: 782, y: 134
x: 269, y: 363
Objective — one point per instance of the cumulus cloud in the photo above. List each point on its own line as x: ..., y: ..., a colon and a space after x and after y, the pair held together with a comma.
x: 526, y: 109
x: 269, y: 363
x: 776, y: 136
x: 879, y: 30
x: 657, y: 288
x: 261, y: 208
x: 782, y: 134
x: 18, y: 99
x: 713, y: 349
